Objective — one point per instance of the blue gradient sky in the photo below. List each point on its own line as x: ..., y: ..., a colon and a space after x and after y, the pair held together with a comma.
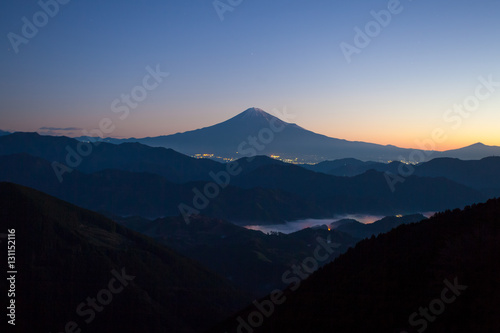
x: 268, y: 54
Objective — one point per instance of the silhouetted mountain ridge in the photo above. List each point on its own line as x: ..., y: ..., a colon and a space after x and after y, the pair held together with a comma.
x: 480, y: 174
x: 288, y: 140
x: 362, y: 230
x: 126, y: 193
x: 134, y: 179
x: 133, y: 157
x: 66, y: 255
x: 223, y: 247
x: 395, y: 282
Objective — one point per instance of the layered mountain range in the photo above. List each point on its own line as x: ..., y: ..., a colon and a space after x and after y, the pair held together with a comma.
x: 255, y: 131
x: 439, y: 275
x: 104, y: 236
x: 380, y: 283
x: 135, y: 179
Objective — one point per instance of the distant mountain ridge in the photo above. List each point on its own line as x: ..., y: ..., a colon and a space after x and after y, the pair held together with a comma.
x: 231, y: 138
x: 133, y: 157
x: 150, y: 195
x: 473, y: 152
x: 273, y: 136
x: 482, y: 175
x: 256, y: 132
x: 269, y: 194
x: 135, y: 179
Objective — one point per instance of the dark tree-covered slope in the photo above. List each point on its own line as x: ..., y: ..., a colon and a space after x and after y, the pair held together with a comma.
x: 65, y: 255
x: 439, y: 275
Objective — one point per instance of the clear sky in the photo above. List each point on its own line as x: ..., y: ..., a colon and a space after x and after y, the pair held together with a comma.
x: 268, y: 54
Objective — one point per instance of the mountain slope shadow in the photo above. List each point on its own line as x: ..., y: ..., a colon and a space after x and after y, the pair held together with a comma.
x: 66, y: 256
x: 439, y: 275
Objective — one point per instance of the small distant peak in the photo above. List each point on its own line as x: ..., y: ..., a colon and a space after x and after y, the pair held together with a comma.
x: 477, y: 145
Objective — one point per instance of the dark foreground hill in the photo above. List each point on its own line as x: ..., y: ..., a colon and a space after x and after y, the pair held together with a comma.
x: 439, y: 275
x: 360, y: 230
x: 223, y: 246
x: 252, y: 260
x: 67, y: 256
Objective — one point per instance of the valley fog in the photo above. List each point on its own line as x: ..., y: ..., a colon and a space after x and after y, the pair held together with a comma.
x: 293, y: 226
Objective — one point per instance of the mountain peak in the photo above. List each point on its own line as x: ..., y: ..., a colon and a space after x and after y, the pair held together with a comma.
x: 256, y: 112
x: 477, y: 145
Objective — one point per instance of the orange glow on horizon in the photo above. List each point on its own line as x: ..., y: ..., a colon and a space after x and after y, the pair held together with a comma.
x: 411, y: 141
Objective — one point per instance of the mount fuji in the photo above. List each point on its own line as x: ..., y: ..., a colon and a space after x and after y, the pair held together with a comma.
x: 256, y: 132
